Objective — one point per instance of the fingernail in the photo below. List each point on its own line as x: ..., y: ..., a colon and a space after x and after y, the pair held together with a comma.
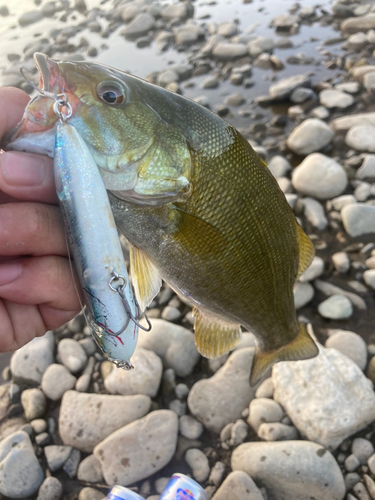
x: 21, y: 169
x: 9, y: 272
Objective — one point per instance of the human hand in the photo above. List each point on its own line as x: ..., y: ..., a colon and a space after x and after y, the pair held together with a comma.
x: 37, y: 290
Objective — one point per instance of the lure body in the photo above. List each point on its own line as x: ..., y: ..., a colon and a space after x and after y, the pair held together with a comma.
x: 95, y: 245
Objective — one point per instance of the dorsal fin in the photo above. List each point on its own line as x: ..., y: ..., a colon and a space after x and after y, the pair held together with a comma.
x: 214, y: 337
x: 145, y: 277
x: 306, y: 250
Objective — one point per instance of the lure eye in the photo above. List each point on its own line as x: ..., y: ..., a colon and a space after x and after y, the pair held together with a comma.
x: 111, y: 93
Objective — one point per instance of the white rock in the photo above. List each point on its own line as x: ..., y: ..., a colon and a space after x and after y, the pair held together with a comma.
x: 72, y: 355
x: 173, y: 344
x: 341, y: 262
x: 311, y: 136
x: 176, y: 11
x: 139, y: 449
x: 350, y: 344
x: 238, y: 486
x: 30, y: 362
x: 349, y: 87
x: 301, y: 95
x: 314, y: 270
x: 369, y: 81
x: 225, y: 51
x: 367, y: 169
x: 86, y: 419
x: 340, y: 202
x: 277, y: 432
x: 358, y: 219
x: 320, y: 177
x: 362, y: 191
x: 198, y: 463
x: 56, y: 381
x: 336, y: 307
x: 322, y: 396
x: 362, y: 23
x: 282, y: 89
x: 265, y: 390
x: 227, y: 29
x: 238, y: 432
x: 291, y: 469
x: 346, y: 122
x: 190, y: 427
x: 303, y: 294
x: 34, y: 403
x: 260, y: 45
x: 369, y: 277
x: 51, y: 489
x: 144, y: 379
x: 362, y: 449
x: 217, y: 473
x: 221, y: 399
x: 264, y: 410
x: 140, y: 25
x: 335, y: 99
x: 279, y: 166
x: 360, y: 137
x: 90, y: 470
x: 314, y: 213
x: 20, y: 472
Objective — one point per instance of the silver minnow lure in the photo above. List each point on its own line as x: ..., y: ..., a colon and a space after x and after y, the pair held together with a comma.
x: 95, y: 245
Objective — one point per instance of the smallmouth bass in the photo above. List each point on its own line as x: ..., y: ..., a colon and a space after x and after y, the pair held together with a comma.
x: 199, y: 207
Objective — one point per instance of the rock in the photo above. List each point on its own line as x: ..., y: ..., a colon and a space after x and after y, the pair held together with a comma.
x: 188, y: 34
x: 315, y: 270
x: 42, y: 439
x: 335, y: 99
x: 347, y: 122
x: 198, y: 463
x: 227, y: 29
x: 371, y: 463
x: 359, y: 138
x: 83, y: 383
x: 176, y: 11
x: 356, y: 24
x: 289, y: 469
x: 329, y: 289
x: 238, y: 486
x: 216, y: 474
x: 340, y: 202
x: 279, y: 166
x: 301, y: 95
x: 350, y: 344
x: 367, y: 169
x: 285, y: 22
x: 221, y: 399
x: 352, y: 463
x: 90, y: 494
x: 56, y: 456
x: 349, y: 87
x: 20, y: 472
x: 369, y: 81
x: 264, y: 410
x: 314, y: 213
x: 39, y: 425
x: 358, y: 219
x: 190, y: 427
x: 303, y: 294
x: 238, y: 432
x: 72, y: 355
x: 173, y: 344
x: 360, y: 491
x: 166, y: 77
x: 336, y: 307
x: 263, y: 61
x: 140, y: 26
x: 320, y: 112
x: 277, y: 432
x: 369, y: 277
x: 139, y: 449
x: 265, y: 390
x: 211, y: 82
x: 71, y: 465
x: 34, y: 403
x: 235, y: 99
x: 312, y: 135
x: 370, y: 485
x: 281, y: 90
x: 321, y: 397
x: 51, y: 489
x: 56, y: 381
x: 356, y: 42
x: 130, y: 11
x: 362, y: 449
x: 86, y: 419
x: 259, y: 45
x: 90, y: 470
x: 341, y: 262
x: 225, y: 51
x: 145, y: 379
x: 362, y: 191
x: 30, y: 362
x: 31, y: 17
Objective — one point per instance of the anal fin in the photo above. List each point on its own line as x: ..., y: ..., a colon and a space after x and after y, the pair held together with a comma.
x: 214, y: 337
x: 145, y: 277
x: 302, y: 347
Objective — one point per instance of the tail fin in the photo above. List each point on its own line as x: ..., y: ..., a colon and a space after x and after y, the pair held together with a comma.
x: 302, y: 347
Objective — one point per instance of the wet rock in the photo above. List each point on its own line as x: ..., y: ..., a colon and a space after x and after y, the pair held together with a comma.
x: 349, y: 87
x: 358, y: 219
x: 166, y: 77
x: 198, y: 463
x: 140, y: 26
x: 359, y: 138
x: 56, y: 456
x: 369, y: 277
x: 211, y: 82
x: 264, y: 410
x: 288, y: 469
x: 145, y: 379
x: 314, y: 213
x: 282, y: 89
x: 72, y: 355
x: 86, y: 419
x: 90, y: 470
x: 221, y: 399
x: 34, y: 403
x: 321, y: 396
x: 213, y: 40
x: 235, y: 99
x: 312, y: 135
x: 336, y: 307
x: 356, y: 24
x: 176, y: 11
x: 173, y: 344
x: 319, y: 176
x: 335, y: 99
x: 367, y: 169
x: 188, y: 34
x: 301, y: 95
x: 315, y: 270
x: 329, y: 289
x: 20, y: 472
x: 350, y: 344
x: 285, y: 22
x: 190, y: 427
x: 31, y: 17
x: 356, y: 42
x: 227, y: 29
x: 303, y: 294
x: 30, y: 362
x: 263, y: 61
x: 369, y: 81
x: 56, y: 381
x: 51, y: 489
x: 347, y: 122
x: 238, y: 486
x: 228, y: 51
x: 341, y: 262
x: 139, y: 449
x: 260, y: 45
x: 129, y: 12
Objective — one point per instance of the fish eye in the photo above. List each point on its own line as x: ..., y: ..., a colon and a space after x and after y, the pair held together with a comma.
x: 111, y: 93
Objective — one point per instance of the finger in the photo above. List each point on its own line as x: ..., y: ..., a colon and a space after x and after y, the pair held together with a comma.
x: 13, y: 103
x: 31, y: 229
x: 27, y: 176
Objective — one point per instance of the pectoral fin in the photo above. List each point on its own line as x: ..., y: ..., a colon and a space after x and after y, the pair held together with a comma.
x: 306, y: 250
x: 214, y: 337
x: 145, y: 277
x: 302, y: 347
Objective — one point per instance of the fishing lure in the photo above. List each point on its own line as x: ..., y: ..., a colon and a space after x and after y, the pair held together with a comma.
x: 93, y: 239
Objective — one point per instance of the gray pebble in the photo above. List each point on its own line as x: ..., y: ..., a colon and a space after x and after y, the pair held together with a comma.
x: 238, y: 486
x: 279, y: 166
x: 56, y: 381
x: 301, y: 95
x: 265, y: 390
x: 198, y: 463
x: 88, y: 345
x: 72, y: 355
x: 88, y: 493
x: 277, y: 432
x: 370, y: 485
x: 336, y: 307
x: 350, y: 344
x: 34, y: 403
x: 71, y: 465
x: 83, y: 383
x: 42, y: 439
x: 217, y: 473
x: 358, y: 219
x: 335, y: 99
x: 352, y: 463
x: 369, y: 277
x: 238, y: 432
x: 39, y: 425
x: 171, y: 314
x: 228, y: 51
x: 56, y: 456
x: 226, y: 432
x: 90, y: 470
x: 315, y: 270
x: 341, y: 262
x: 161, y: 483
x: 360, y: 491
x: 190, y: 427
x: 314, y: 213
x: 51, y: 489
x: 178, y: 407
x: 303, y: 294
x: 211, y: 82
x: 234, y: 99
x: 181, y: 391
x: 311, y: 136
x: 264, y: 410
x: 362, y: 449
x: 371, y: 463
x: 30, y: 17
x: 351, y: 479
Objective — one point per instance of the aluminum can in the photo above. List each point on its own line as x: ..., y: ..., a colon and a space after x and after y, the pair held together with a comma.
x: 182, y: 487
x: 122, y: 493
